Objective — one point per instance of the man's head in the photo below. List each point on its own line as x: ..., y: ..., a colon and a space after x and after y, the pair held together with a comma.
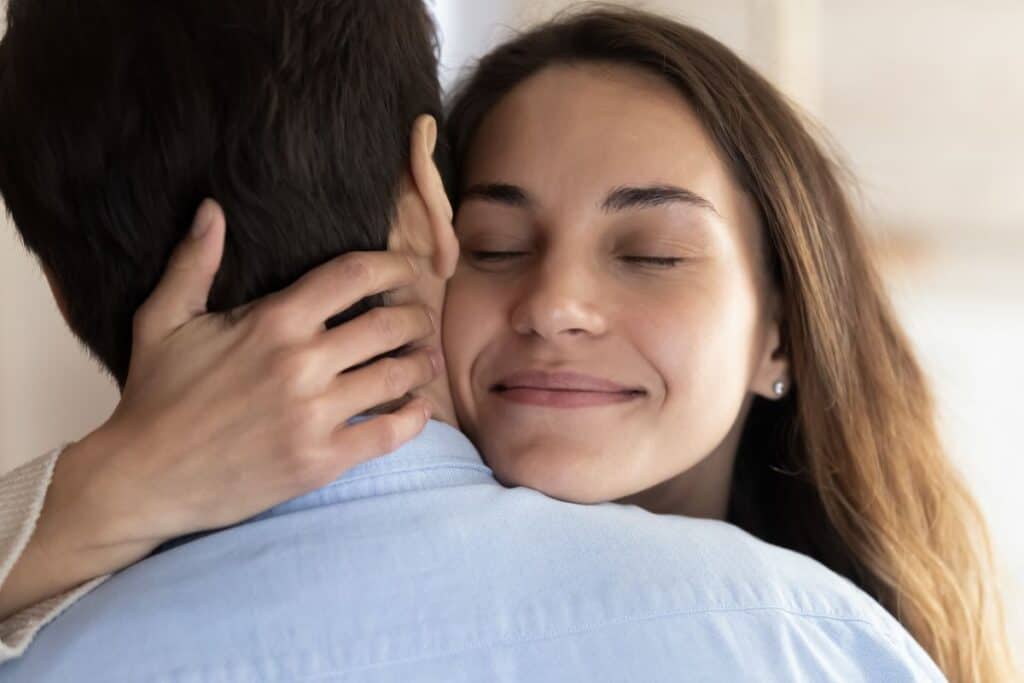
x: 118, y: 117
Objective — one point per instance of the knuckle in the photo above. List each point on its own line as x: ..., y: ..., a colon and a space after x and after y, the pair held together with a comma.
x: 290, y: 371
x: 356, y: 268
x: 426, y: 368
x: 386, y: 325
x: 418, y: 370
x: 396, y: 377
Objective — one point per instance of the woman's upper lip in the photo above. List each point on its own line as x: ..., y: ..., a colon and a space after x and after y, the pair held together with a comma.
x: 561, y: 381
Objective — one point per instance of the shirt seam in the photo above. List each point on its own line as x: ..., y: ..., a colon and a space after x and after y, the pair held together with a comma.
x: 377, y: 475
x: 338, y: 487
x: 519, y: 639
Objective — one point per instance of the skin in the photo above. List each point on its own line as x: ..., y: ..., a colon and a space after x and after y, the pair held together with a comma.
x: 694, y: 339
x: 167, y: 462
x: 553, y: 278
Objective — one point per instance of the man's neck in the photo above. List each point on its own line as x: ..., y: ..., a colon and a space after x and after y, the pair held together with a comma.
x: 439, y: 396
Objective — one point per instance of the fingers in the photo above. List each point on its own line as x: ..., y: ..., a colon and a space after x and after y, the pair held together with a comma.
x: 374, y: 333
x: 182, y: 293
x: 338, y: 284
x: 355, y: 393
x: 379, y: 435
x: 381, y: 382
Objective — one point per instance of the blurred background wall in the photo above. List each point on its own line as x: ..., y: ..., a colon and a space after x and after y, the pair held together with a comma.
x: 925, y: 100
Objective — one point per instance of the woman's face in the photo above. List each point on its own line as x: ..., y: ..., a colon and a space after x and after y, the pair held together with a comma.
x: 608, y: 319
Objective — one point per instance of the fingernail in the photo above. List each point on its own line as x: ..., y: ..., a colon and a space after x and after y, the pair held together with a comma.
x: 437, y: 360
x: 204, y: 219
x: 415, y: 265
x: 431, y: 138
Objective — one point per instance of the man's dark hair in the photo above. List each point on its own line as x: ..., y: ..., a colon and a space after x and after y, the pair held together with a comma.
x: 117, y: 117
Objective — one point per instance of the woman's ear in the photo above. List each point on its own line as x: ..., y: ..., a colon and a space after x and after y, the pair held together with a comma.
x: 428, y: 184
x: 772, y: 378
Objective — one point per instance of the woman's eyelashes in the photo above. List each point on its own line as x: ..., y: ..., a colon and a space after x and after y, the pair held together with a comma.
x: 653, y: 261
x: 485, y: 256
x: 495, y: 261
x: 492, y: 256
x: 643, y: 250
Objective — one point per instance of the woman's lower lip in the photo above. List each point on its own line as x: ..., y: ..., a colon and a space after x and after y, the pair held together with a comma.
x: 562, y: 398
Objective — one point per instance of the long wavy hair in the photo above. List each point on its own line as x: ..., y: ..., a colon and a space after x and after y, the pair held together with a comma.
x: 848, y: 468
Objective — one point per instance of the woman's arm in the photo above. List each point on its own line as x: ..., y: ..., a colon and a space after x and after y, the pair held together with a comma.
x: 32, y: 568
x: 221, y: 417
x: 21, y: 501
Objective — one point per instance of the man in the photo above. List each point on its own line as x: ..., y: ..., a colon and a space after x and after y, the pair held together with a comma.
x: 413, y: 566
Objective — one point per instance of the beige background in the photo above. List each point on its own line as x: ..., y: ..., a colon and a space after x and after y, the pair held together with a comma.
x: 926, y: 100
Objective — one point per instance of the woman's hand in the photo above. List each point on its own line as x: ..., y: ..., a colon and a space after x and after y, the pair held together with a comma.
x: 224, y: 416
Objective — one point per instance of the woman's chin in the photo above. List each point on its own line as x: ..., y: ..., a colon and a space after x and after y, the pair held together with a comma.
x: 569, y: 474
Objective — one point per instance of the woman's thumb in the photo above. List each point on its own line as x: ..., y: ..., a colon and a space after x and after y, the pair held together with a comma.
x: 182, y: 293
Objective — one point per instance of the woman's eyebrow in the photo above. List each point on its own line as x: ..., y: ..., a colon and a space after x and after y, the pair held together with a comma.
x: 622, y: 198
x: 503, y: 193
x: 619, y: 199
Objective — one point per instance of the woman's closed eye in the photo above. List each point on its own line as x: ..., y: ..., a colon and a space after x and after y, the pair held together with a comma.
x: 491, y: 256
x: 653, y: 261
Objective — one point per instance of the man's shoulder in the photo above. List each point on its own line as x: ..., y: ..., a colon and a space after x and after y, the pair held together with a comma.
x: 473, y: 577
x: 703, y: 563
x: 702, y: 580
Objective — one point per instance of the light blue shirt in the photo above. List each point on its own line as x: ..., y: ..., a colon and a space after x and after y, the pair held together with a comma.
x: 419, y: 566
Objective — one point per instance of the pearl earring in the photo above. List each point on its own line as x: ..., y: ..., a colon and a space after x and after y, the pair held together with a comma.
x: 779, y: 388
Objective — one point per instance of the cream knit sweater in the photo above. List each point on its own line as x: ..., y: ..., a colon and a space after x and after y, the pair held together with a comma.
x: 22, y: 492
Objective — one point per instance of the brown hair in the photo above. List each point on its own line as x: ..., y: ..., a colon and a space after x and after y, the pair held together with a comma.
x: 848, y: 468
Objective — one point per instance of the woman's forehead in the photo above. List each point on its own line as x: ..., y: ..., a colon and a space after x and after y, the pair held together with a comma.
x: 597, y: 124
x: 571, y: 135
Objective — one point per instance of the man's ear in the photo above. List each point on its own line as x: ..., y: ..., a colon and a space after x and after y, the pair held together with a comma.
x: 428, y: 184
x: 57, y: 292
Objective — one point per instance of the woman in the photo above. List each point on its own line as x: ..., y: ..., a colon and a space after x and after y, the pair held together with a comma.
x: 751, y: 263
x: 664, y: 300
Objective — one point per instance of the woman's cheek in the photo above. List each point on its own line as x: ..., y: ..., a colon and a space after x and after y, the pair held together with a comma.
x: 466, y: 321
x: 685, y: 337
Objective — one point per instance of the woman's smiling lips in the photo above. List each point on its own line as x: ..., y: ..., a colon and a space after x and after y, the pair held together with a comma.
x: 562, y: 389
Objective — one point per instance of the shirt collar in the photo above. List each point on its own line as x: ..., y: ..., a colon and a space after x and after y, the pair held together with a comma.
x: 440, y: 456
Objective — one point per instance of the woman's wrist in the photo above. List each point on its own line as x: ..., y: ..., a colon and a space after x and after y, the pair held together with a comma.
x: 93, y: 519
x: 80, y: 533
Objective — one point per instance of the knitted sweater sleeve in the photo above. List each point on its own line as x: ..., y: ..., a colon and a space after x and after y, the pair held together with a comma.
x: 22, y: 492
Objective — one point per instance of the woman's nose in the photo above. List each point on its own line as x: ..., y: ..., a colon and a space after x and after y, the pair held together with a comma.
x: 560, y: 302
